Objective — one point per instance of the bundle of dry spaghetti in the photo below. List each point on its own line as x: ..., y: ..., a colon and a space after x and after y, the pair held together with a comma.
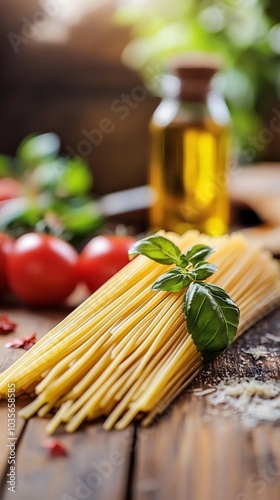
x: 125, y: 352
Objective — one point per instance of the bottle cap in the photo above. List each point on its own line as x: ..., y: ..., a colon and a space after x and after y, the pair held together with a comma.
x: 195, y: 71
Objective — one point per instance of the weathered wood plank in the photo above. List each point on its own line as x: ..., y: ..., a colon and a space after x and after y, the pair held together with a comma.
x: 236, y: 362
x: 28, y: 323
x: 98, y: 462
x: 183, y: 457
x: 8, y: 356
x: 95, y: 469
x: 188, y: 453
x: 4, y: 432
x: 192, y: 454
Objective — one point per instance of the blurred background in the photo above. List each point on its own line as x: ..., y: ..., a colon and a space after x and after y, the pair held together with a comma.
x: 90, y: 71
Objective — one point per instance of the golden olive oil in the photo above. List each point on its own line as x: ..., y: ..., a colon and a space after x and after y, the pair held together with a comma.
x: 188, y: 176
x: 189, y: 162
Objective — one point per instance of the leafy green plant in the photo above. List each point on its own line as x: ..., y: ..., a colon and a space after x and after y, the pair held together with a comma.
x: 244, y: 32
x: 55, y: 190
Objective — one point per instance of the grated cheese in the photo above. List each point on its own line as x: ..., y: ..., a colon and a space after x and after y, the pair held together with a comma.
x: 253, y: 400
x: 257, y: 352
x: 269, y: 336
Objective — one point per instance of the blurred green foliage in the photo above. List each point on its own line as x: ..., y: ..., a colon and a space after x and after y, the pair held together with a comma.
x: 246, y: 33
x: 55, y: 192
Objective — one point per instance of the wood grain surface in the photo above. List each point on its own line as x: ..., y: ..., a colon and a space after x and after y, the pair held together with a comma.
x: 192, y: 452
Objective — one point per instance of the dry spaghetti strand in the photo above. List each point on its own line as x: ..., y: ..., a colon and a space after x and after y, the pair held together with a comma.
x: 125, y: 352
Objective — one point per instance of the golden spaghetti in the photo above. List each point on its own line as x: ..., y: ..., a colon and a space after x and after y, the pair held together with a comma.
x: 125, y: 352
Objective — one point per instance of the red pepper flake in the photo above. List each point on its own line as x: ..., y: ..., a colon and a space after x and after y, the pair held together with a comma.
x: 55, y: 448
x: 24, y: 342
x: 6, y: 324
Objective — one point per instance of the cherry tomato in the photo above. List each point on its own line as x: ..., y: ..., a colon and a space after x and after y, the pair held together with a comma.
x: 6, y: 245
x: 9, y: 189
x: 42, y: 269
x: 102, y: 257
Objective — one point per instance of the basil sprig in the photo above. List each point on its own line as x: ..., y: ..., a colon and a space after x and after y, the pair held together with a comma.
x: 212, y: 317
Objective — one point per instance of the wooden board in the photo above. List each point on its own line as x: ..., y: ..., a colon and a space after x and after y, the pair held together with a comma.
x: 97, y: 465
x: 190, y: 453
x: 188, y: 456
x: 198, y: 453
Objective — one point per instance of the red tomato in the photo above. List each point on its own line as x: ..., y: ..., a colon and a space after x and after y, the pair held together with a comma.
x: 9, y: 189
x: 42, y: 269
x: 6, y: 245
x: 102, y: 257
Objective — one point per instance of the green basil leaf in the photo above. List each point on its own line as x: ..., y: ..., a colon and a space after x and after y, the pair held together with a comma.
x: 174, y: 280
x: 195, y: 254
x: 9, y: 166
x: 202, y: 271
x: 37, y: 148
x: 156, y: 248
x: 80, y: 219
x: 76, y: 179
x: 212, y: 318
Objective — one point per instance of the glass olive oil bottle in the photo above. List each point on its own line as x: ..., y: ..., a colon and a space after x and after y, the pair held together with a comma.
x: 190, y: 140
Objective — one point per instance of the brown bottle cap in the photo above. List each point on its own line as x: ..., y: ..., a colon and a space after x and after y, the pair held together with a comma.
x: 195, y: 71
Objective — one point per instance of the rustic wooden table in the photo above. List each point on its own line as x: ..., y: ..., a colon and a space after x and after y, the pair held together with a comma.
x: 192, y: 452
